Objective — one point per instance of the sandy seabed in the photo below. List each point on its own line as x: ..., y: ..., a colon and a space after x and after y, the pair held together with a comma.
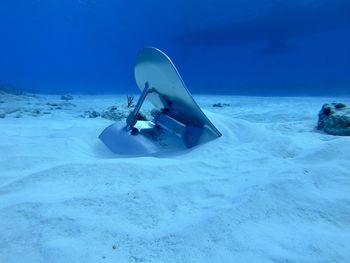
x: 271, y: 189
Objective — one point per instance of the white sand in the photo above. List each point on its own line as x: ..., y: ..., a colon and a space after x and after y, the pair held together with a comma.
x: 272, y: 189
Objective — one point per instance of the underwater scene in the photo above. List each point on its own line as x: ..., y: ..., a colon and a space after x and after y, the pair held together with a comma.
x: 175, y: 131
x: 266, y: 47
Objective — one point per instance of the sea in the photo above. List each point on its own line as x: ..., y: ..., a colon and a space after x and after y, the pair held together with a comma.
x: 253, y: 168
x: 241, y: 47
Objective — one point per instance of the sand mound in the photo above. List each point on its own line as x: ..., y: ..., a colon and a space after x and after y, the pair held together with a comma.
x: 272, y: 189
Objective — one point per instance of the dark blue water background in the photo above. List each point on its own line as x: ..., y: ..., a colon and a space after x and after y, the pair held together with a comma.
x: 251, y: 47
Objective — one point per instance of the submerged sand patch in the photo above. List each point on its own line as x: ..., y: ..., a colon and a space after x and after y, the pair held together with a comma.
x: 272, y: 189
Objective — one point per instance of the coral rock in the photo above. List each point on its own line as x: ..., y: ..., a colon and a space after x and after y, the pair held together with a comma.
x: 94, y: 114
x: 115, y: 113
x: 220, y: 105
x: 334, y: 119
x: 67, y: 97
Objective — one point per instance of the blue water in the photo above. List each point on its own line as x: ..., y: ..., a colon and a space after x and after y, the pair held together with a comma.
x: 251, y: 47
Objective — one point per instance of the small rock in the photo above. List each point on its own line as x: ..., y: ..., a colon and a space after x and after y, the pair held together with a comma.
x: 90, y: 114
x: 36, y: 113
x: 63, y: 105
x: 334, y: 119
x: 113, y: 113
x: 67, y: 97
x: 67, y: 105
x: 113, y: 108
x: 218, y: 105
x: 53, y: 104
x: 135, y: 259
x: 93, y: 114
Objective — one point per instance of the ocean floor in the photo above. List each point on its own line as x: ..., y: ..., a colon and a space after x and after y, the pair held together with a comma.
x: 271, y: 189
